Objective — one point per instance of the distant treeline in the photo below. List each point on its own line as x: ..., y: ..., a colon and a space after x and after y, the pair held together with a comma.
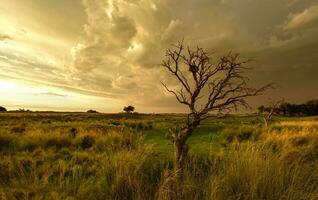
x: 288, y: 109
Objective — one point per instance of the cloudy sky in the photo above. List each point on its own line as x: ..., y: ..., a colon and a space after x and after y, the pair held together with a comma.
x: 76, y: 55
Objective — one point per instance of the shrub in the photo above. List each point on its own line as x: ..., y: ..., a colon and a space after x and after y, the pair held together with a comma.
x: 6, y: 141
x: 244, y: 133
x: 18, y: 129
x: 86, y: 142
x: 228, y: 135
x: 73, y: 132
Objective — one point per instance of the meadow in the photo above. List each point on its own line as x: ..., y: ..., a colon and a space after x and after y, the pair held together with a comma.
x: 130, y: 156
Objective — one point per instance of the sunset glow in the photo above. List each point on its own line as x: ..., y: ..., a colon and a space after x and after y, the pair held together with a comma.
x: 107, y: 54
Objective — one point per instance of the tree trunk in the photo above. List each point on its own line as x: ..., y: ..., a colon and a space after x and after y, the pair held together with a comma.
x: 265, y: 123
x: 180, y: 144
x: 181, y: 150
x: 179, y: 155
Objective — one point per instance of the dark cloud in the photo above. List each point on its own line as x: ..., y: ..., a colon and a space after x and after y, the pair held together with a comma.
x: 122, y: 43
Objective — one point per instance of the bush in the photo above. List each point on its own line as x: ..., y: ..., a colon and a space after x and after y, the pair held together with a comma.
x: 6, y: 141
x: 73, y: 132
x: 86, y: 142
x: 244, y: 133
x: 228, y: 136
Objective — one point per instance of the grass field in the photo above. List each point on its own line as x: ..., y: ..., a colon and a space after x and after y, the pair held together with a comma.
x: 118, y: 156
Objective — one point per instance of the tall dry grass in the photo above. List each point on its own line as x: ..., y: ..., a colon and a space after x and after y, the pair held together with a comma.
x: 117, y: 164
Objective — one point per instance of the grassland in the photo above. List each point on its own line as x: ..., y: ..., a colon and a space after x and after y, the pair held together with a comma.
x: 99, y: 156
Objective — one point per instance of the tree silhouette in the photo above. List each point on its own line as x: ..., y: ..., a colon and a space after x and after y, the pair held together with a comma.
x: 91, y: 111
x: 3, y: 109
x: 129, y: 109
x: 205, y: 87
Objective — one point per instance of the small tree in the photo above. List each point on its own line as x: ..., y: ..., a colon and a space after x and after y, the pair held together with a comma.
x: 267, y: 112
x: 91, y: 111
x: 205, y: 87
x: 3, y: 109
x: 129, y: 109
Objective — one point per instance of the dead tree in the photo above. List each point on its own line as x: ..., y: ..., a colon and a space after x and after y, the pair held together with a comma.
x: 204, y: 87
x: 268, y: 112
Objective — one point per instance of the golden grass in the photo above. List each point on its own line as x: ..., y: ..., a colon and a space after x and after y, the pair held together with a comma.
x: 281, y: 163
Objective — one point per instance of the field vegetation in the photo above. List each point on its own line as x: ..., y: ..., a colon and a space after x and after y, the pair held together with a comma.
x: 130, y: 156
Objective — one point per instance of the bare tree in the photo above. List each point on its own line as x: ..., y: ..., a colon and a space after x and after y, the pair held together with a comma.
x: 205, y: 87
x: 267, y: 112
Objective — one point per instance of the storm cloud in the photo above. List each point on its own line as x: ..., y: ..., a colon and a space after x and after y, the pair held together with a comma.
x: 120, y: 45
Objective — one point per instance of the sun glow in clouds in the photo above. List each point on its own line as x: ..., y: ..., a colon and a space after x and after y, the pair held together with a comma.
x: 81, y: 54
x: 28, y: 96
x: 12, y: 87
x: 134, y: 46
x: 110, y: 10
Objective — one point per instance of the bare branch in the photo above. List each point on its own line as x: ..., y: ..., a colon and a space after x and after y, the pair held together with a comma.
x: 206, y: 86
x: 180, y: 96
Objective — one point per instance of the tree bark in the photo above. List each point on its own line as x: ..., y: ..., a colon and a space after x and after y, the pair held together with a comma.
x: 265, y: 122
x: 182, y: 149
x: 181, y: 152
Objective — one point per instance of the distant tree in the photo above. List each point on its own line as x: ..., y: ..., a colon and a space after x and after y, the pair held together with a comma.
x: 3, y: 109
x: 286, y: 108
x: 261, y: 109
x: 205, y: 87
x: 309, y: 108
x: 91, y: 111
x: 267, y: 112
x: 313, y: 102
x: 129, y: 109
